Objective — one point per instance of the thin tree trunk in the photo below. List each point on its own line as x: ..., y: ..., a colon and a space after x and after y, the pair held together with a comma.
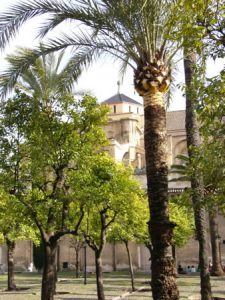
x: 217, y: 269
x: 77, y: 251
x: 99, y: 277
x: 114, y: 255
x: 130, y: 265
x: 48, y: 277
x: 164, y: 286
x: 58, y: 259
x: 10, y: 256
x: 193, y: 141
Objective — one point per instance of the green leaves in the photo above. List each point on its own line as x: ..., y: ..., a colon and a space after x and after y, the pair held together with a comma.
x: 184, y: 219
x: 131, y: 224
x: 211, y: 108
x: 45, y: 144
x: 109, y: 195
x: 14, y: 219
x: 199, y: 25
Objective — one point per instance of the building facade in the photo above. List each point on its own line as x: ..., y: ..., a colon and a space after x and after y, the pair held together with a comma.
x: 125, y: 130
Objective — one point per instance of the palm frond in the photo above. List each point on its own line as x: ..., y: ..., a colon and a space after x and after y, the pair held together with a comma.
x: 185, y: 158
x: 123, y: 67
x: 84, y: 40
x: 178, y: 179
x: 13, y: 18
x: 178, y: 168
x: 169, y: 96
x: 128, y: 30
x: 30, y: 78
x: 73, y: 69
x: 83, y: 45
x: 136, y: 25
x: 18, y: 64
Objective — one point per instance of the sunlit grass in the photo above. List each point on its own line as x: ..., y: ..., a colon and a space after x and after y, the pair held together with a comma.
x: 115, y: 284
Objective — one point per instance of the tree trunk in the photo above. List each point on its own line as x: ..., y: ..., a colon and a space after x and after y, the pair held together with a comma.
x: 58, y: 259
x: 49, y: 271
x: 193, y: 141
x: 85, y: 264
x: 217, y: 269
x: 114, y: 255
x: 77, y: 251
x: 10, y: 256
x: 164, y: 286
x: 130, y: 265
x: 99, y: 277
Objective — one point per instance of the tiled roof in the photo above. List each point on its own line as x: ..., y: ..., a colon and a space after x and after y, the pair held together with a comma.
x: 175, y: 120
x: 120, y: 98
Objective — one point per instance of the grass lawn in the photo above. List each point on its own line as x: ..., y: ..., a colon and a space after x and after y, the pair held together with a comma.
x: 116, y: 284
x: 68, y: 287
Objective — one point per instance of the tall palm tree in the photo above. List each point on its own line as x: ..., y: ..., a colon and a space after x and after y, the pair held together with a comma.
x: 136, y: 33
x: 217, y: 269
x: 193, y: 141
x: 211, y: 181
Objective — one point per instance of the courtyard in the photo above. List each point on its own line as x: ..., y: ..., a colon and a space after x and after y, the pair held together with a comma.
x: 116, y: 285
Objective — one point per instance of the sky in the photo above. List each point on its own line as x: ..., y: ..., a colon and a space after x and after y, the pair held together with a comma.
x: 102, y: 77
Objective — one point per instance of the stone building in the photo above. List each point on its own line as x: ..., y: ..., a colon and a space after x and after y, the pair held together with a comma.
x: 125, y: 132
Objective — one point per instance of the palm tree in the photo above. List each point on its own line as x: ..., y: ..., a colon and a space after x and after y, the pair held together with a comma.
x: 136, y: 33
x: 217, y: 269
x: 211, y: 181
x: 46, y: 78
x: 193, y: 141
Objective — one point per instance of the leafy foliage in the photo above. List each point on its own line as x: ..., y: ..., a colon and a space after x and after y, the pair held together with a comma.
x: 109, y: 194
x: 200, y: 24
x: 184, y: 219
x: 54, y: 142
x: 15, y: 223
x: 132, y: 225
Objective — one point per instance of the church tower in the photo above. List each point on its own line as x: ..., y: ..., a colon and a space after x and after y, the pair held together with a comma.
x: 125, y: 130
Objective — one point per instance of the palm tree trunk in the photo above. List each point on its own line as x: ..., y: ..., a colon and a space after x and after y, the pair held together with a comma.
x: 130, y: 265
x: 10, y: 256
x: 48, y: 277
x: 193, y: 141
x: 99, y: 277
x: 164, y: 286
x: 217, y: 269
